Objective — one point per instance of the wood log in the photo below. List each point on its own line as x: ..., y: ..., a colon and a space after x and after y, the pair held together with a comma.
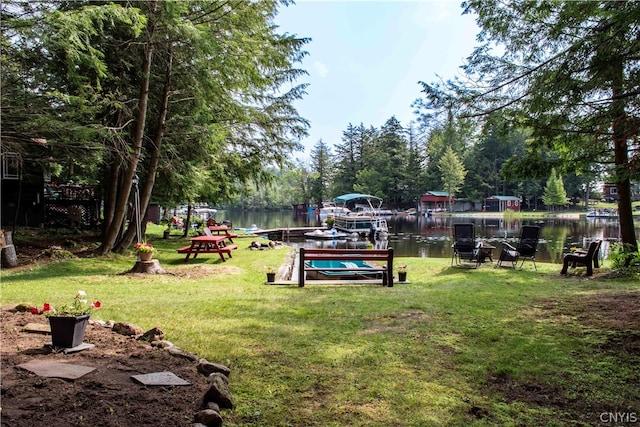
x: 147, y: 267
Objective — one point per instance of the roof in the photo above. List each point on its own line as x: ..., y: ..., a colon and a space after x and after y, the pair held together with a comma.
x: 438, y: 193
x: 504, y: 197
x: 353, y: 196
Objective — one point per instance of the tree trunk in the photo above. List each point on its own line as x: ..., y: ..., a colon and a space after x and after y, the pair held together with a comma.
x: 111, y: 234
x: 621, y: 157
x: 147, y: 189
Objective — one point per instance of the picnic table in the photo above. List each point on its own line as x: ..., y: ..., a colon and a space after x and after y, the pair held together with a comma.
x: 207, y: 245
x: 222, y: 229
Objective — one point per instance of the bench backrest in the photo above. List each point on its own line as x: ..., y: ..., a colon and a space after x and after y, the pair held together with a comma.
x: 382, y: 255
x: 594, y: 247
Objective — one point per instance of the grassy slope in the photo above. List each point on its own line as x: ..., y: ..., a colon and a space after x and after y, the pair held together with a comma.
x: 453, y: 347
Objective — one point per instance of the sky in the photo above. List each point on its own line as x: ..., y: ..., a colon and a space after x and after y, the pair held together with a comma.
x: 366, y: 58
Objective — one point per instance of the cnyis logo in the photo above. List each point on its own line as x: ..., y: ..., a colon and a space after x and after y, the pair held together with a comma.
x: 619, y: 417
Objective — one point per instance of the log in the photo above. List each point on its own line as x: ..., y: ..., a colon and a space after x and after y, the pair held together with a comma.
x: 147, y: 267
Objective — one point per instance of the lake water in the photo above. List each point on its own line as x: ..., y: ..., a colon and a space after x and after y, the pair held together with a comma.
x: 418, y: 236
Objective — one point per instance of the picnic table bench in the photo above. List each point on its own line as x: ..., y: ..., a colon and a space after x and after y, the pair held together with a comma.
x: 207, y: 245
x: 379, y: 255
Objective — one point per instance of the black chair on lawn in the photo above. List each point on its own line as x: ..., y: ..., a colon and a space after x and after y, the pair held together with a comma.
x: 464, y: 248
x: 589, y: 259
x: 525, y: 249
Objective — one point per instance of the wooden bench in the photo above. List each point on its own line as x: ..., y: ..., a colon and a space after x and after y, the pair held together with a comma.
x: 588, y: 259
x: 379, y: 255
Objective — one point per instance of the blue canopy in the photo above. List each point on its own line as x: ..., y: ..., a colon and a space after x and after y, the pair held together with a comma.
x: 352, y: 196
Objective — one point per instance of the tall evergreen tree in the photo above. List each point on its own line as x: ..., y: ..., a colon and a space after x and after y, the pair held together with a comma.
x: 321, y: 169
x: 554, y: 192
x: 453, y: 173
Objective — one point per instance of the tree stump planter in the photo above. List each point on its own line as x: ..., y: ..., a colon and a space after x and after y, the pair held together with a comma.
x: 147, y: 267
x: 68, y: 331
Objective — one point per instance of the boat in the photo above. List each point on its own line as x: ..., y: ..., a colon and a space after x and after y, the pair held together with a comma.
x: 331, y: 208
x: 332, y: 234
x: 363, y: 221
x: 603, y: 213
x: 344, y: 274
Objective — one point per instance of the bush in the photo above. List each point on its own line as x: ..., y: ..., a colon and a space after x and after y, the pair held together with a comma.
x: 624, y: 260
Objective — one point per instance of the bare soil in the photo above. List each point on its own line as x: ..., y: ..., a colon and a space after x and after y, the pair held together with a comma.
x: 105, y: 397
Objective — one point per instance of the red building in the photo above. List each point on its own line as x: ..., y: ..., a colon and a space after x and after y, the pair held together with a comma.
x: 502, y: 203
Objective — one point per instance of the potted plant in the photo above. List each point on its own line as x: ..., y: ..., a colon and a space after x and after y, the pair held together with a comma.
x: 68, y: 323
x: 271, y: 274
x: 402, y: 273
x: 145, y: 250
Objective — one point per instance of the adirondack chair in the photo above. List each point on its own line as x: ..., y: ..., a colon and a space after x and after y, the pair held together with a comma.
x: 464, y: 248
x: 589, y: 259
x: 525, y: 249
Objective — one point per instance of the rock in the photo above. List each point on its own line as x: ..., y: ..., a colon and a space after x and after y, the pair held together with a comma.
x: 219, y: 391
x: 207, y: 368
x: 212, y: 405
x: 208, y: 417
x: 154, y: 334
x: 178, y: 352
x: 127, y: 329
x: 162, y: 344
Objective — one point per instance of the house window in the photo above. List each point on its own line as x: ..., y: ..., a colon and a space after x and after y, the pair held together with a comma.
x: 11, y: 163
x: 613, y: 190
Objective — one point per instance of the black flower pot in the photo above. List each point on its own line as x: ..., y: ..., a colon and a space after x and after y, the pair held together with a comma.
x: 402, y: 276
x: 68, y: 331
x: 271, y: 277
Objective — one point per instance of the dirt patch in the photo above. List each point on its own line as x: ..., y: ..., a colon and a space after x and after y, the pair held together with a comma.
x: 616, y: 315
x: 107, y: 396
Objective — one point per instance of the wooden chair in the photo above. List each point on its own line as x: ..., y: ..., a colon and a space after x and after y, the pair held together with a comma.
x: 525, y: 249
x: 589, y: 259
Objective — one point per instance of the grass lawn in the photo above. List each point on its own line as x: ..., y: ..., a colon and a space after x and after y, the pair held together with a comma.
x: 452, y: 347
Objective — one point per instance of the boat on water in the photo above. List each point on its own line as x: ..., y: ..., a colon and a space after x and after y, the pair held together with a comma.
x: 332, y: 234
x: 341, y: 275
x: 603, y: 213
x: 332, y: 209
x: 362, y: 221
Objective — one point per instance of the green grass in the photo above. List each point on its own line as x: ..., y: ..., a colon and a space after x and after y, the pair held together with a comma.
x: 453, y: 347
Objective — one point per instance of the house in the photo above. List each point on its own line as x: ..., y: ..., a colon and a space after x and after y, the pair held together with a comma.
x: 433, y: 201
x: 610, y: 192
x: 502, y: 203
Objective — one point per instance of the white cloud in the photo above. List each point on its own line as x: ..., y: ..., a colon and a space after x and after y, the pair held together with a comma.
x: 321, y: 69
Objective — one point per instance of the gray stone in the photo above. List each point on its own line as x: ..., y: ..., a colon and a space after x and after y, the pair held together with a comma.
x: 46, y: 368
x: 212, y: 405
x: 160, y: 378
x: 128, y: 329
x: 178, y: 352
x: 208, y: 417
x: 161, y: 344
x: 219, y: 391
x: 207, y: 368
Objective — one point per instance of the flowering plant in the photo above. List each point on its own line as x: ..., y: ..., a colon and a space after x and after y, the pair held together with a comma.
x: 144, y: 247
x: 402, y: 269
x: 78, y: 307
x: 270, y: 269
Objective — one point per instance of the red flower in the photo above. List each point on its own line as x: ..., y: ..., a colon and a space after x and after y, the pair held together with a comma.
x: 96, y: 304
x: 34, y: 310
x: 46, y: 307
